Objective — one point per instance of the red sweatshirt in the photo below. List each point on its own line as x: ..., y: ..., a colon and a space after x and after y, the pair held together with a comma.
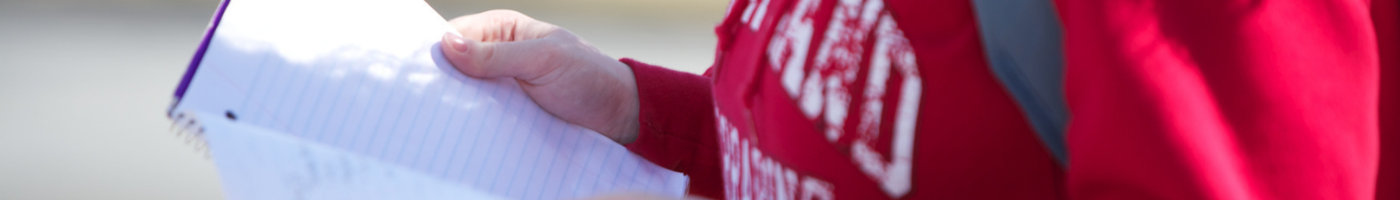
x: 1386, y: 17
x: 897, y: 99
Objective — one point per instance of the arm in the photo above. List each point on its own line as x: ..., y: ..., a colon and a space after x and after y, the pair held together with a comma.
x: 1179, y: 99
x: 678, y: 125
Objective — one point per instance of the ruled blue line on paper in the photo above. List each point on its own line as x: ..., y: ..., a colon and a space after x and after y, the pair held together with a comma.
x: 379, y: 103
x: 257, y: 73
x: 447, y: 120
x: 432, y: 120
x: 496, y: 132
x: 581, y: 168
x: 287, y: 106
x: 443, y: 134
x: 368, y: 110
x: 266, y: 116
x: 255, y: 113
x: 493, y: 134
x: 437, y: 147
x: 398, y: 113
x: 567, y: 159
x: 509, y: 153
x: 516, y: 156
x: 431, y: 91
x: 350, y: 108
x: 330, y: 114
x: 306, y: 121
x: 538, y: 154
x: 298, y: 79
x: 606, y: 156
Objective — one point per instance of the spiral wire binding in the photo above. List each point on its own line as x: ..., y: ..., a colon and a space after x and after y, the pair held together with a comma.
x: 186, y: 126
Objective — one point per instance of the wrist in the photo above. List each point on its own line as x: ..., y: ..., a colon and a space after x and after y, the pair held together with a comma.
x: 627, y: 127
x: 630, y: 130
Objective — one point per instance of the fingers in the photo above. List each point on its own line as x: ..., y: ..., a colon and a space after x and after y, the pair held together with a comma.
x: 501, y: 26
x: 526, y: 59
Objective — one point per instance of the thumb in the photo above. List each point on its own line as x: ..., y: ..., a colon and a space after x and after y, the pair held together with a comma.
x: 525, y: 59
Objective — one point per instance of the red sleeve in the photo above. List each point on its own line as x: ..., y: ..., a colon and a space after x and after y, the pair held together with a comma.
x: 1386, y: 14
x: 1229, y: 99
x: 678, y: 125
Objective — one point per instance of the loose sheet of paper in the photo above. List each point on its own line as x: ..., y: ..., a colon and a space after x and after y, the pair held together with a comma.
x: 366, y: 76
x: 256, y: 163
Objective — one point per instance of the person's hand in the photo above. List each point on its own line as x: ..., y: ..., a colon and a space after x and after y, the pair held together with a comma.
x: 561, y: 72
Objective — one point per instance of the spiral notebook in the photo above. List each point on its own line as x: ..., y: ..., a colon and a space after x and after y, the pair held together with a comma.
x: 366, y: 78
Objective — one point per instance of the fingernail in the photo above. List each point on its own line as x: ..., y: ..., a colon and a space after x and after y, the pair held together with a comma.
x: 455, y: 41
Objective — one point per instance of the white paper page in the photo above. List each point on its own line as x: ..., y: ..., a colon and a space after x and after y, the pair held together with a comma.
x: 256, y: 163
x: 367, y: 76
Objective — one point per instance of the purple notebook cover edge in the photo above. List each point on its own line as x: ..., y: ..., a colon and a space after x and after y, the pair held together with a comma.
x: 199, y: 54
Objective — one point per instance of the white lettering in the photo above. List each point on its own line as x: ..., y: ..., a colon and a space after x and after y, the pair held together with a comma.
x: 751, y: 175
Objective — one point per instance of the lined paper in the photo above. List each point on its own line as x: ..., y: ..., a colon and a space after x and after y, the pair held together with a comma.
x: 366, y: 76
x: 257, y: 163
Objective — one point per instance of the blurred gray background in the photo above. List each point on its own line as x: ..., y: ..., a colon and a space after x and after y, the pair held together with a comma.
x: 84, y: 83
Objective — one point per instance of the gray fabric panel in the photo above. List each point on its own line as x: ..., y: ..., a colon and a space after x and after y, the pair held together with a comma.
x: 1022, y: 39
